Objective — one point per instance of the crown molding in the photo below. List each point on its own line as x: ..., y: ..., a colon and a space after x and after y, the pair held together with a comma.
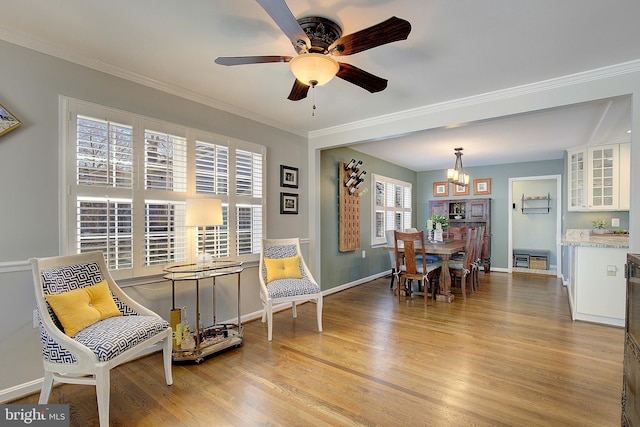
x: 513, y: 92
x: 47, y: 48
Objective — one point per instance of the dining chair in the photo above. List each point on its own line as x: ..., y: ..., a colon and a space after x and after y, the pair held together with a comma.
x: 460, y: 270
x: 409, y: 269
x: 88, y: 325
x: 285, y: 278
x: 392, y: 256
x: 475, y: 265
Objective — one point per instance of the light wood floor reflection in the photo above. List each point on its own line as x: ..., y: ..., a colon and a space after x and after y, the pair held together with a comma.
x: 507, y: 356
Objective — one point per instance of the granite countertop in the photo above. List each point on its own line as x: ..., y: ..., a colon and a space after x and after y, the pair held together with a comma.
x: 575, y: 237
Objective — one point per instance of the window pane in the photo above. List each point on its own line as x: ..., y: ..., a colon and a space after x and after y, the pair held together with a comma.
x: 248, y: 174
x: 165, y: 162
x: 249, y: 229
x: 105, y: 225
x: 212, y: 168
x: 165, y: 239
x: 104, y: 153
x: 379, y: 193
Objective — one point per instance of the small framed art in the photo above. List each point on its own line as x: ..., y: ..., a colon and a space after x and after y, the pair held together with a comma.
x: 441, y: 189
x: 7, y: 121
x: 288, y: 203
x: 288, y: 176
x: 460, y: 190
x: 482, y: 186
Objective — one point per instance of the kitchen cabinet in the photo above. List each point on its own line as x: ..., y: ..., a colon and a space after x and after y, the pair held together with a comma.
x: 597, y: 284
x: 631, y: 366
x: 470, y: 213
x: 598, y: 178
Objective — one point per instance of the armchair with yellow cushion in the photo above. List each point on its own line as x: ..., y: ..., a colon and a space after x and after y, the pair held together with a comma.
x: 285, y: 278
x: 88, y: 325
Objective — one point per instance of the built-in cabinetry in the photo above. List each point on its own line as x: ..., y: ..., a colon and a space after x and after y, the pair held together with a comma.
x: 597, y: 283
x: 631, y: 369
x: 468, y: 213
x: 599, y: 177
x: 536, y: 204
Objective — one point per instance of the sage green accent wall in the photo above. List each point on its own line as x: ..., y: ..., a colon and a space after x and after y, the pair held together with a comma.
x: 500, y: 209
x: 339, y: 268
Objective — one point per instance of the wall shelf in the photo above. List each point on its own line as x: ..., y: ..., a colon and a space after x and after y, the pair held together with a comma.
x: 536, y: 204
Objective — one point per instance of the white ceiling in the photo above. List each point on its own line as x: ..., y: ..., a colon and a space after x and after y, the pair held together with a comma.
x: 456, y: 49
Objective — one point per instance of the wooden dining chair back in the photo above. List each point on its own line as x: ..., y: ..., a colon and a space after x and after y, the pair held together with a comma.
x: 475, y: 265
x: 409, y: 269
x: 461, y: 269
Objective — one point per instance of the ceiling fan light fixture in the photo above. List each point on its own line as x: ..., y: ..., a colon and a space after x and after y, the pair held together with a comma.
x: 314, y: 67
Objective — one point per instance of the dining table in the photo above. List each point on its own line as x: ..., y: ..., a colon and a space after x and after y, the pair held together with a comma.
x: 444, y: 250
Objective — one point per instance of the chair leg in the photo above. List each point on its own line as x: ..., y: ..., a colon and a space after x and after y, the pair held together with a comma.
x: 103, y: 386
x: 319, y: 313
x: 294, y: 310
x: 393, y: 276
x: 47, y: 384
x: 166, y: 354
x: 269, y: 316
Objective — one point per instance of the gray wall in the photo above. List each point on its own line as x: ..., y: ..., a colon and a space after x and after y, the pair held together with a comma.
x: 535, y: 228
x: 29, y: 170
x: 340, y: 268
x: 500, y: 209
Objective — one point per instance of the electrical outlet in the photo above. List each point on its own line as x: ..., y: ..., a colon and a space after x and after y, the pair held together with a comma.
x: 611, y: 270
x: 615, y: 222
x: 364, y: 254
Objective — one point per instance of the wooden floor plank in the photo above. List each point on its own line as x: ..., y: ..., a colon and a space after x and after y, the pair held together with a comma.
x: 507, y: 355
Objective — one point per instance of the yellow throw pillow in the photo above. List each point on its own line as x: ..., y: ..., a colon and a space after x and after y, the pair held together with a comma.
x: 80, y: 308
x: 283, y: 268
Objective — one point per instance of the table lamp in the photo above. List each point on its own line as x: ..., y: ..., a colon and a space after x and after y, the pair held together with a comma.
x: 203, y: 213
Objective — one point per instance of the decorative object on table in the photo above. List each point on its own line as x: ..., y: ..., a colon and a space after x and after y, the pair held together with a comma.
x: 482, y: 186
x: 8, y: 121
x: 456, y: 175
x: 460, y: 190
x: 288, y: 203
x: 351, y: 177
x: 436, y: 224
x: 441, y: 189
x: 203, y: 213
x: 598, y: 226
x: 288, y: 176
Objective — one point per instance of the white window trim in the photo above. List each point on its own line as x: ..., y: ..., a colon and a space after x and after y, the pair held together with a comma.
x: 67, y: 175
x: 407, y: 212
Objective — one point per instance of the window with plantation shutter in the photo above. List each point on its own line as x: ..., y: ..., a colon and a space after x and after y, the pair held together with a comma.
x: 391, y: 207
x: 128, y: 178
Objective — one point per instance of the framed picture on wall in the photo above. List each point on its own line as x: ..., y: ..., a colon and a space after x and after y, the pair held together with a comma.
x: 441, y: 189
x: 482, y: 186
x: 288, y: 203
x: 7, y: 121
x: 288, y: 176
x: 460, y: 190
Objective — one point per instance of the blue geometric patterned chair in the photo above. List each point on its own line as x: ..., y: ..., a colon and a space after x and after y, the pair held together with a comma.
x: 285, y: 278
x: 87, y: 356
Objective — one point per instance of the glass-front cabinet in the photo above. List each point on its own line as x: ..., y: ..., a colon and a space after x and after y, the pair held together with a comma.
x: 594, y: 178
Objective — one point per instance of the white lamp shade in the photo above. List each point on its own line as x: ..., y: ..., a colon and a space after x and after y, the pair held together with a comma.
x: 202, y: 212
x: 316, y: 67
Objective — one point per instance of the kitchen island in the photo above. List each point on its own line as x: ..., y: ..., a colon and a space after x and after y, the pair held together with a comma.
x: 596, y: 285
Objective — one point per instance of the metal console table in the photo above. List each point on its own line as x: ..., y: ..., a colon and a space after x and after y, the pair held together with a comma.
x: 215, y: 338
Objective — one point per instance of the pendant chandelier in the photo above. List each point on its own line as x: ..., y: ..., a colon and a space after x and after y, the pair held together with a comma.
x: 457, y: 175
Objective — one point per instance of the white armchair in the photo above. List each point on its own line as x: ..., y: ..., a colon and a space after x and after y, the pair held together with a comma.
x: 285, y: 278
x: 88, y: 355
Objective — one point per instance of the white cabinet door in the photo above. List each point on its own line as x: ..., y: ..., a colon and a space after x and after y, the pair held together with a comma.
x: 577, y: 179
x: 603, y: 171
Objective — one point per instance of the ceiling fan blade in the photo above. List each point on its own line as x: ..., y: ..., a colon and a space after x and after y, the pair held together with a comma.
x: 391, y: 30
x: 298, y: 91
x: 282, y: 16
x: 361, y: 78
x: 241, y: 60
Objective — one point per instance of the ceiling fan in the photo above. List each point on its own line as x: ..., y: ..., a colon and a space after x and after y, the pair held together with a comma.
x: 316, y: 40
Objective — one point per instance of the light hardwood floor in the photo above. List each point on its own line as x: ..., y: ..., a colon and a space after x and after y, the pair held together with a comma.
x: 507, y: 356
